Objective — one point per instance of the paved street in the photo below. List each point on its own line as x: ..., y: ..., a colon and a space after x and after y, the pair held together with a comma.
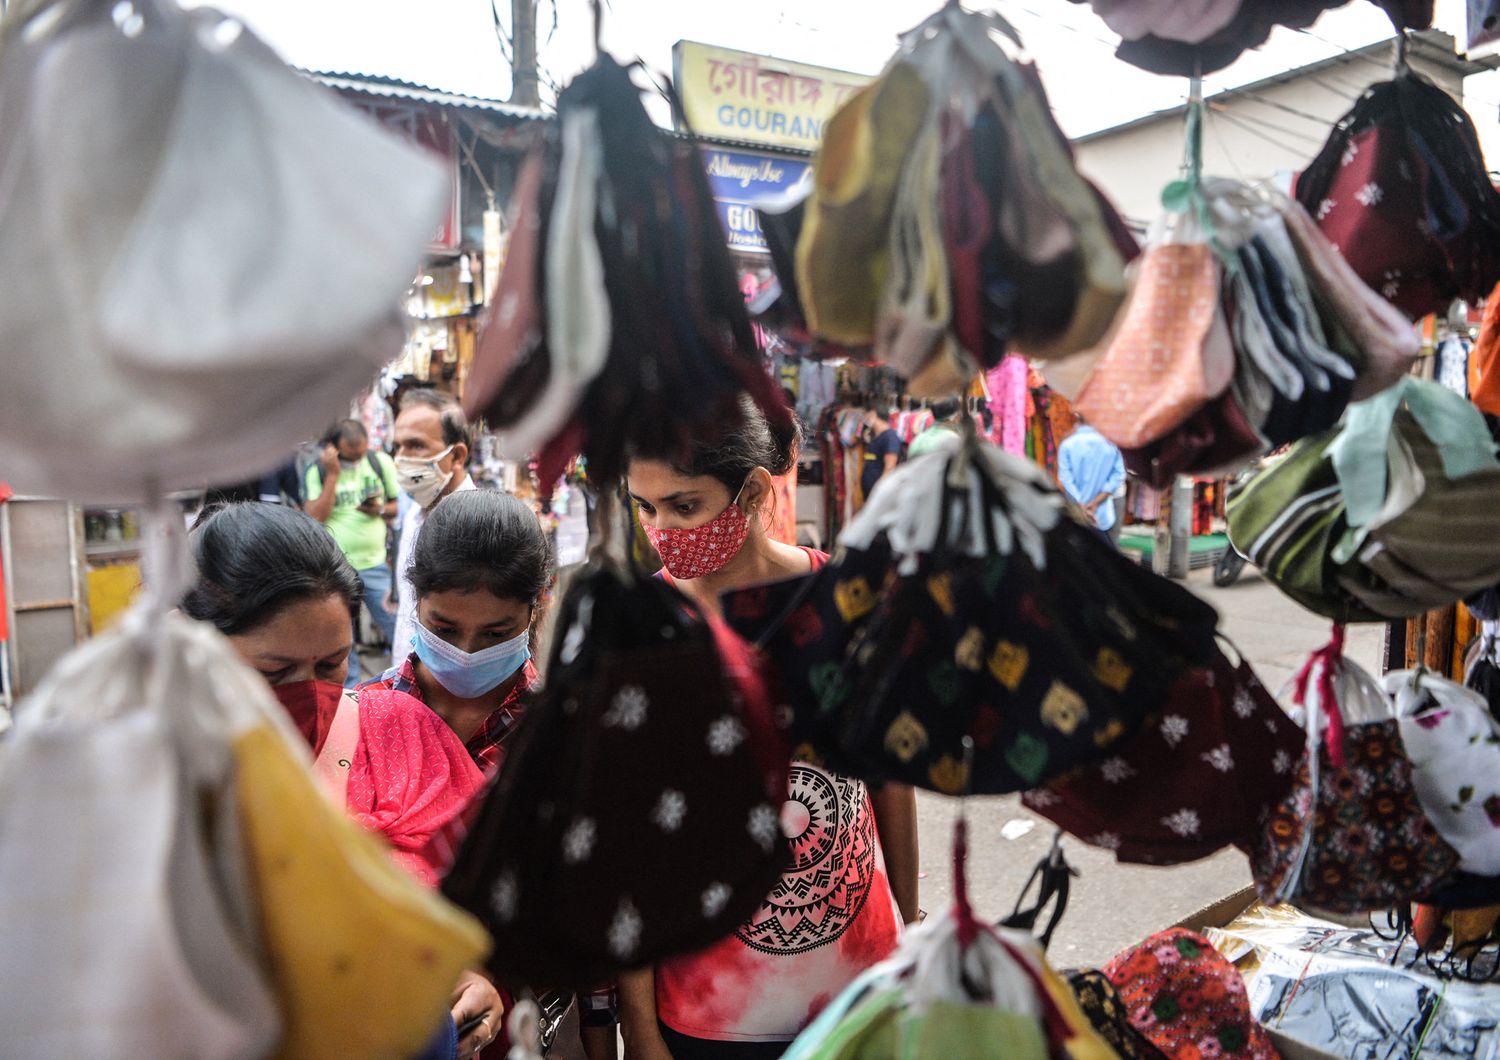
x: 1114, y: 905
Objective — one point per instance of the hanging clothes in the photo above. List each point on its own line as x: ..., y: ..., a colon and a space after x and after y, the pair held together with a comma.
x: 1453, y: 364
x: 1007, y: 386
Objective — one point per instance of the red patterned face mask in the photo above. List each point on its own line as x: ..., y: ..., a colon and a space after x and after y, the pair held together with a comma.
x: 701, y: 550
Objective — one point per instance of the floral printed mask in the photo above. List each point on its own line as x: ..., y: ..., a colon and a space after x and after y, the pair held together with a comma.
x: 701, y: 550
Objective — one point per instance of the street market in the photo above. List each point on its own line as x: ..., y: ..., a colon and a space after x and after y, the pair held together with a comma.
x: 715, y: 555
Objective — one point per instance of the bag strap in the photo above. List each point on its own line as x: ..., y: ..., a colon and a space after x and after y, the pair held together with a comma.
x: 334, y: 761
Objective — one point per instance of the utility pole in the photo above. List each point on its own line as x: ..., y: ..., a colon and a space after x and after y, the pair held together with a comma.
x: 525, y: 90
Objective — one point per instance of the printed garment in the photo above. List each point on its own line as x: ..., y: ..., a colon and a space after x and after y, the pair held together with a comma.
x: 830, y: 916
x: 1110, y: 1016
x: 410, y: 781
x: 886, y: 674
x: 1187, y: 999
x: 487, y: 745
x: 1371, y: 846
x: 1232, y: 753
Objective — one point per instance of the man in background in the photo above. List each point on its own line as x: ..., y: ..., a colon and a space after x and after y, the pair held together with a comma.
x: 882, y: 450
x: 1091, y: 471
x: 945, y: 425
x: 433, y: 443
x: 352, y: 491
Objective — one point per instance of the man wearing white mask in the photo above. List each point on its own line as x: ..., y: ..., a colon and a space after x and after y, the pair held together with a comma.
x: 432, y: 456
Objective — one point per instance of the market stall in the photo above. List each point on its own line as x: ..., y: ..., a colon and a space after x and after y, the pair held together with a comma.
x: 701, y: 822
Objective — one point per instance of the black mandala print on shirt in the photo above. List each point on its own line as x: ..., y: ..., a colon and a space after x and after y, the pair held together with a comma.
x: 833, y: 851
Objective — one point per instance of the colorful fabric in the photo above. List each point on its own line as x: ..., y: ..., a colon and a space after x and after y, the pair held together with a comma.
x: 830, y: 916
x: 1484, y: 359
x: 410, y: 781
x: 1187, y: 999
x: 488, y: 744
x: 665, y: 773
x: 1287, y: 519
x: 696, y: 552
x: 1216, y: 437
x: 1231, y: 753
x: 1170, y: 354
x: 1401, y: 189
x: 1454, y: 744
x: 1110, y: 1016
x: 1007, y: 385
x: 1371, y: 845
x: 887, y: 674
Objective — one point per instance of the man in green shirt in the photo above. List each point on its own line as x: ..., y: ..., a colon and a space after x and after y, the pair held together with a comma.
x: 945, y: 425
x: 352, y: 491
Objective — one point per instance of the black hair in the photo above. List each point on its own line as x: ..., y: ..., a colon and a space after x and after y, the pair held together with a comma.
x: 455, y: 424
x: 482, y: 539
x: 349, y: 431
x: 732, y: 455
x: 255, y: 559
x: 945, y: 408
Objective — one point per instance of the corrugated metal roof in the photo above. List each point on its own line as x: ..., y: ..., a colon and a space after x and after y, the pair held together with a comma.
x: 392, y: 88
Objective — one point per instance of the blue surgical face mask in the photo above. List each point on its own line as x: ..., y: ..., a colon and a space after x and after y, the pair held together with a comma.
x: 469, y: 675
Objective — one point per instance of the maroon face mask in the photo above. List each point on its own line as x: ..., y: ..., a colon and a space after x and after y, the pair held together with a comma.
x: 311, y: 705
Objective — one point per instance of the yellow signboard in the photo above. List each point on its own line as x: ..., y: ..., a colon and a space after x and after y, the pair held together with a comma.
x: 739, y: 96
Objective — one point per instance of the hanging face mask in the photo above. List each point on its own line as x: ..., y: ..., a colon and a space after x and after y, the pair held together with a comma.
x: 469, y: 675
x: 421, y: 477
x: 701, y: 550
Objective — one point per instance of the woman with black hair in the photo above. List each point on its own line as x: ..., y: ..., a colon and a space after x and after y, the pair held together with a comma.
x: 852, y: 879
x: 277, y: 585
x: 480, y: 568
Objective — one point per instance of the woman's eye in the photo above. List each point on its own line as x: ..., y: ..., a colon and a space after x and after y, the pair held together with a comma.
x: 686, y: 509
x: 646, y: 508
x: 275, y: 677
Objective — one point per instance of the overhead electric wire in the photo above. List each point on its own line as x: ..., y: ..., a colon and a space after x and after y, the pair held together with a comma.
x: 1222, y: 109
x: 1257, y: 133
x: 1389, y: 67
x: 1316, y: 119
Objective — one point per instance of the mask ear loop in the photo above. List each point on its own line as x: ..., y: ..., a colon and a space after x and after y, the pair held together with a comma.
x: 765, y: 513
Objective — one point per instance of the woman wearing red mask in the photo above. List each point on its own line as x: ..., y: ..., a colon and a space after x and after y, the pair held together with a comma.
x: 277, y: 585
x: 853, y: 878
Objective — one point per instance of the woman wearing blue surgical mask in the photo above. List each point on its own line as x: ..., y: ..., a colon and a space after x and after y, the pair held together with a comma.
x: 479, y: 570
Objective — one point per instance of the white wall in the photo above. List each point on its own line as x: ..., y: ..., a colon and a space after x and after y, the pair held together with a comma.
x: 1278, y: 130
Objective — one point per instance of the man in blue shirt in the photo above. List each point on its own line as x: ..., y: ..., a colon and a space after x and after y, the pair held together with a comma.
x: 882, y: 451
x: 1092, y: 471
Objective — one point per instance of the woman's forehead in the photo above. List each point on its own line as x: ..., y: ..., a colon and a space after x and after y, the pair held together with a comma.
x: 659, y: 480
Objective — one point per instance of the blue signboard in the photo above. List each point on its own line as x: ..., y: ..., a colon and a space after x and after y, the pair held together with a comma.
x: 739, y: 181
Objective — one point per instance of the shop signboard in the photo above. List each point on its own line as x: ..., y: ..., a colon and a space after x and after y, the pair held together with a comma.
x: 739, y: 181
x: 735, y: 95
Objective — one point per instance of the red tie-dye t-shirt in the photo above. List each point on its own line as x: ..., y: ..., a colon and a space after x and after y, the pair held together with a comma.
x: 831, y: 916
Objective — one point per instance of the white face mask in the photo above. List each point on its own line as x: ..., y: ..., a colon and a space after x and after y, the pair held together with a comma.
x: 421, y: 477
